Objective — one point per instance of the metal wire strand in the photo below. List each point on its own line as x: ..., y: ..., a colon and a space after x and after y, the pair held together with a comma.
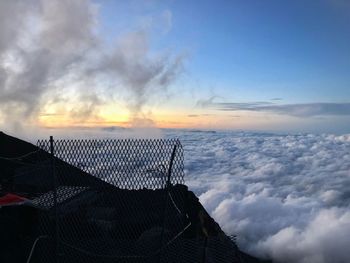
x: 33, y: 247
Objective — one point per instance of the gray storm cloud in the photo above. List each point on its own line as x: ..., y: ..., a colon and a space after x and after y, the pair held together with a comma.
x: 44, y: 43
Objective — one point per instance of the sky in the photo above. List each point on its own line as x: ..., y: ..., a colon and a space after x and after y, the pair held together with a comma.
x: 245, y: 65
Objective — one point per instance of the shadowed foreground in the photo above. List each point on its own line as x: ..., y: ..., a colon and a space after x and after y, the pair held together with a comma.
x: 69, y: 215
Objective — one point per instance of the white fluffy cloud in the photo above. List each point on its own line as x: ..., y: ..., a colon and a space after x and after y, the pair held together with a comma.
x: 50, y: 50
x: 285, y: 196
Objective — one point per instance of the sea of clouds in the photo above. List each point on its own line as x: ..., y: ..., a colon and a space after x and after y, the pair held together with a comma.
x: 286, y: 197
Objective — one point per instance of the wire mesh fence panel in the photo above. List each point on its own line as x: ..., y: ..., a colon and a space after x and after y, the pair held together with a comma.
x: 111, y: 201
x: 129, y: 164
x: 111, y: 198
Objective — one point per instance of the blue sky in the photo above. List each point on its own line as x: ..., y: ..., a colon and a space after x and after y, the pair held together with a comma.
x: 254, y: 50
x: 248, y: 51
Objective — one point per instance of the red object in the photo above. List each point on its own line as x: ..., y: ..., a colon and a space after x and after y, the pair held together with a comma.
x: 12, y: 199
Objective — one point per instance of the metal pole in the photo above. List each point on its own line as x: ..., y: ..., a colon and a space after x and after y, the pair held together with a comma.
x: 55, y: 185
x: 168, y: 183
x: 167, y: 189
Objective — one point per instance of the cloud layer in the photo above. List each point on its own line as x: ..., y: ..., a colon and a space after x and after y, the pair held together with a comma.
x: 52, y: 51
x: 297, y: 110
x: 285, y: 196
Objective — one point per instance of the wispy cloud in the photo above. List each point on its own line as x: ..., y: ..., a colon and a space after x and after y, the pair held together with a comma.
x: 309, y: 109
x: 298, y: 110
x: 54, y: 47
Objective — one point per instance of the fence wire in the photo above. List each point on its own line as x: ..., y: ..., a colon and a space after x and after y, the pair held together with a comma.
x: 112, y: 201
x: 128, y: 164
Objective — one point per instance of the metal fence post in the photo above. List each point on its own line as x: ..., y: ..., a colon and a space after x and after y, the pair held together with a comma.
x: 168, y: 184
x: 55, y: 185
x: 167, y: 189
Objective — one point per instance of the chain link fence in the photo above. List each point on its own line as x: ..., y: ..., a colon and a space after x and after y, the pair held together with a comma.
x: 126, y: 164
x: 112, y: 201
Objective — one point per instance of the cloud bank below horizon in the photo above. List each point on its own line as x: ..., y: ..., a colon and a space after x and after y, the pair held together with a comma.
x: 285, y: 196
